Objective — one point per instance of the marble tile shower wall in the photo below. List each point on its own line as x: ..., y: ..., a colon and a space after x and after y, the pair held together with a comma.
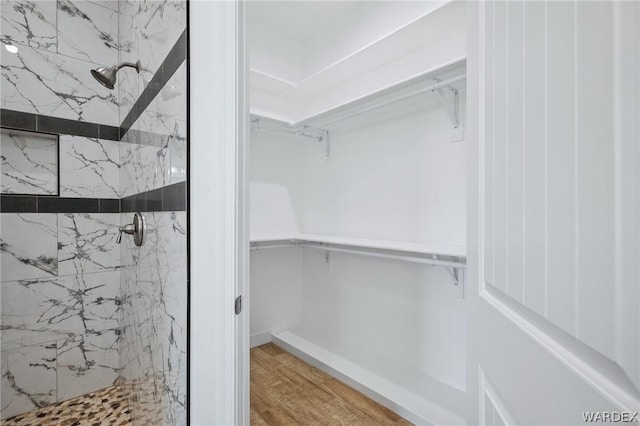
x: 29, y: 163
x: 149, y: 29
x: 153, y: 315
x: 58, y: 42
x: 153, y: 352
x: 156, y: 154
x: 88, y: 168
x: 79, y: 311
x: 59, y: 273
x: 59, y: 308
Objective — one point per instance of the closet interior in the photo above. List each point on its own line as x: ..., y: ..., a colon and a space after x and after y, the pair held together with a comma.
x: 357, y: 195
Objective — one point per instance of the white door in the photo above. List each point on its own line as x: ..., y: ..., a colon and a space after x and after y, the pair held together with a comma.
x: 554, y: 188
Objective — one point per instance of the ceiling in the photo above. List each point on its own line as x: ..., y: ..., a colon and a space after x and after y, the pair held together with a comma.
x: 307, y: 56
x: 309, y: 36
x: 298, y: 20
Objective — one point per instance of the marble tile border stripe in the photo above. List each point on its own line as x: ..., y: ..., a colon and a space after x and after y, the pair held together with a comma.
x: 166, y: 199
x: 46, y: 124
x: 170, y: 65
x: 48, y: 204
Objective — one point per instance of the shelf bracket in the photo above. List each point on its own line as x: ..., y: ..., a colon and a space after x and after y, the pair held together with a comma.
x: 451, y: 103
x: 453, y: 272
x: 321, y: 135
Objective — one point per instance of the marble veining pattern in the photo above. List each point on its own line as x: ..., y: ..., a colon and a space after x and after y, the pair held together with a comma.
x: 153, y: 282
x: 60, y: 296
x: 58, y: 42
x: 171, y: 109
x: 87, y: 362
x: 28, y: 244
x: 153, y: 29
x: 97, y: 310
x: 89, y: 167
x: 39, y: 375
x: 153, y: 319
x: 29, y: 163
x: 41, y: 82
x: 30, y: 23
x: 109, y: 4
x: 79, y: 18
x: 28, y: 379
x: 141, y: 168
x: 41, y: 310
x: 74, y: 320
x: 156, y: 156
x: 87, y: 242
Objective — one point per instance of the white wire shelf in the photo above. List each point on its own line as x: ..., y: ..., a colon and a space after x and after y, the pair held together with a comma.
x: 446, y: 83
x: 453, y: 258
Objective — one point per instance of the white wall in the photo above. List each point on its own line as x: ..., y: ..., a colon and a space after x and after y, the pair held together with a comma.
x: 392, y: 174
x: 276, y: 292
x: 399, y: 320
x: 276, y: 186
x: 276, y: 196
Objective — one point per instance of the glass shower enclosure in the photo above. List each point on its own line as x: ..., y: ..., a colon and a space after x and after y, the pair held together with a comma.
x: 93, y: 310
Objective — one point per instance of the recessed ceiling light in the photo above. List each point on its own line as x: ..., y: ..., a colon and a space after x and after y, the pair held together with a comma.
x: 11, y: 48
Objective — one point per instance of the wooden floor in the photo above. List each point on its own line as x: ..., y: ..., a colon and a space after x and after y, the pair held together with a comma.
x: 287, y: 391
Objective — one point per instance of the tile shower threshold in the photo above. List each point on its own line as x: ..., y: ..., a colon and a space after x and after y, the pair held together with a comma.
x: 106, y: 406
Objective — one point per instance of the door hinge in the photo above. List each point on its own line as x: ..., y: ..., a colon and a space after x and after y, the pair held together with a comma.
x: 238, y: 305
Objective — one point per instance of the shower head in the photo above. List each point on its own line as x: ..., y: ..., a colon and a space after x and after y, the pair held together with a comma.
x: 107, y: 75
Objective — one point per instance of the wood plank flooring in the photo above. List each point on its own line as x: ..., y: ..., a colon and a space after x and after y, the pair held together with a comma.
x: 287, y: 391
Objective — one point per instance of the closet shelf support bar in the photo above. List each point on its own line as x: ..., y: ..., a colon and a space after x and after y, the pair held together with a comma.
x: 452, y: 267
x: 362, y: 106
x: 303, y: 131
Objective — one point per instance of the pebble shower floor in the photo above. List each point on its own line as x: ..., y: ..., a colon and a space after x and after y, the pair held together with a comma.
x: 105, y: 407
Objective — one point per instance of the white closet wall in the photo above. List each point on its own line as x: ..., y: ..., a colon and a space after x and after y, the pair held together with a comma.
x: 276, y: 292
x: 276, y: 186
x: 391, y: 175
x: 394, y: 318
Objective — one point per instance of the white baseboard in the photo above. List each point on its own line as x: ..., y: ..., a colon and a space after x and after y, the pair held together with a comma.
x: 399, y: 400
x: 259, y: 339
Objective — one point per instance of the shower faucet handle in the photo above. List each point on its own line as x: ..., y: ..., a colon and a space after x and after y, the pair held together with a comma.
x: 136, y: 229
x: 127, y: 229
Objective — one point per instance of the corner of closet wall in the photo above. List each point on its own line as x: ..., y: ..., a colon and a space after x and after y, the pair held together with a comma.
x: 276, y: 195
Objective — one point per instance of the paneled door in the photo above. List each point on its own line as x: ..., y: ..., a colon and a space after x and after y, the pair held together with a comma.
x: 554, y: 189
